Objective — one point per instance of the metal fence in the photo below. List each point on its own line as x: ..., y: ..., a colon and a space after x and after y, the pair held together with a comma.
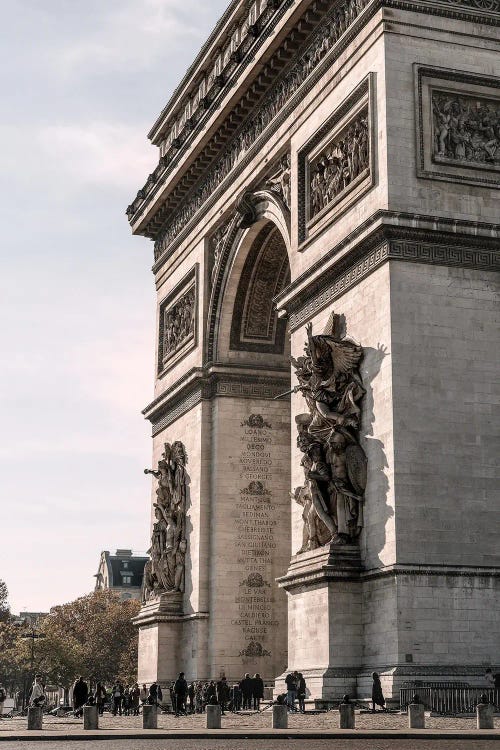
x: 448, y: 697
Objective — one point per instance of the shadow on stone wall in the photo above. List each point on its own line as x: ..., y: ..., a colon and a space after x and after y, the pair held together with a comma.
x: 377, y: 510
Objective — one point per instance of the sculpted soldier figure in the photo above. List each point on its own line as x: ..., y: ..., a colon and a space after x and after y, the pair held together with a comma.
x: 164, y: 572
x: 328, y: 436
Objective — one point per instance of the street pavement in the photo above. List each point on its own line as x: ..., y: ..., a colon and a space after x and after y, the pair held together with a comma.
x: 252, y: 744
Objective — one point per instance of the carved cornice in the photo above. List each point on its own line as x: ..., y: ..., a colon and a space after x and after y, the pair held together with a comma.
x: 309, y: 65
x: 201, y: 384
x: 387, y: 242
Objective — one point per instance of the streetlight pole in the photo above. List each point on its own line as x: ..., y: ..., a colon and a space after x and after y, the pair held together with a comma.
x: 32, y: 635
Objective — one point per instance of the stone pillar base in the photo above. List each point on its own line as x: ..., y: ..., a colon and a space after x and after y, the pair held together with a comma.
x: 484, y: 716
x: 416, y: 716
x: 280, y: 717
x: 35, y: 717
x: 90, y: 717
x: 149, y: 717
x: 323, y: 587
x: 346, y: 716
x: 213, y: 717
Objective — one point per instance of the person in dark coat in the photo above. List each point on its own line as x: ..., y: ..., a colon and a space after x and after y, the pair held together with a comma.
x: 377, y: 695
x: 246, y: 691
x: 180, y: 692
x: 222, y: 694
x: 80, y: 695
x: 301, y: 693
x: 100, y: 697
x: 257, y: 691
x: 291, y: 690
x: 235, y: 698
x: 153, y: 694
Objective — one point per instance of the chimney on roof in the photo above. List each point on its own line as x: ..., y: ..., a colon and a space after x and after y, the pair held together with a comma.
x: 124, y: 553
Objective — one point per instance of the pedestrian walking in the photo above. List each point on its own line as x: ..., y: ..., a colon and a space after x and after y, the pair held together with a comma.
x: 143, y: 695
x: 80, y: 695
x: 236, y: 697
x: 116, y: 694
x: 257, y: 691
x: 377, y: 695
x: 191, y: 690
x: 301, y: 693
x: 246, y: 691
x: 222, y: 694
x: 100, y: 698
x: 3, y: 696
x: 291, y: 690
x: 153, y: 694
x: 135, y: 699
x: 180, y: 692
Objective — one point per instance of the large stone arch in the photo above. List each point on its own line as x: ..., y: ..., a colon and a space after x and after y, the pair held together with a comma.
x: 256, y: 213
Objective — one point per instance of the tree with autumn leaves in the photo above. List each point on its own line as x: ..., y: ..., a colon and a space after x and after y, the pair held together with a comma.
x: 92, y: 636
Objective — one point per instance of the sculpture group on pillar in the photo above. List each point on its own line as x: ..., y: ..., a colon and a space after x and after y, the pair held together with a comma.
x: 328, y: 435
x: 164, y: 572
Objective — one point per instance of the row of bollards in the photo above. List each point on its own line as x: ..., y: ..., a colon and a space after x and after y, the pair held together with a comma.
x: 416, y: 716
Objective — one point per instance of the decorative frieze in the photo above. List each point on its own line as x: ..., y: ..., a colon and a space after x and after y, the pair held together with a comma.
x: 458, y: 126
x: 177, y: 324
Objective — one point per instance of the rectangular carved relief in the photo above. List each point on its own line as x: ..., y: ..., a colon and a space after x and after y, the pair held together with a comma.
x: 178, y: 322
x: 336, y: 165
x: 458, y: 126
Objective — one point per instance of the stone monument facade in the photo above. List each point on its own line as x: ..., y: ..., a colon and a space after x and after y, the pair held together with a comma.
x: 325, y: 222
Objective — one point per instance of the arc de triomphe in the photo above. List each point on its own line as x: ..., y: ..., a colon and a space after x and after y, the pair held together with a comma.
x: 326, y: 191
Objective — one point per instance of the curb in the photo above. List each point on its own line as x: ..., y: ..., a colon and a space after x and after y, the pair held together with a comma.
x: 277, y: 734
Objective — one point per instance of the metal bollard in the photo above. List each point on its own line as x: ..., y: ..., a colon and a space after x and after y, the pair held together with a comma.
x: 90, y: 717
x: 346, y: 711
x: 484, y: 713
x: 149, y: 716
x: 35, y: 717
x: 213, y: 717
x: 416, y: 715
x: 280, y: 717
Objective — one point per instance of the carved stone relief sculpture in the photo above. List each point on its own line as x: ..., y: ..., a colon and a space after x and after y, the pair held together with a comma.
x: 336, y: 167
x: 178, y: 324
x: 466, y: 129
x: 334, y: 462
x: 164, y: 572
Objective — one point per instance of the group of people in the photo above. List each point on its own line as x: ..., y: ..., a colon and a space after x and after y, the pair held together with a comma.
x: 124, y: 701
x: 190, y: 698
x: 296, y: 691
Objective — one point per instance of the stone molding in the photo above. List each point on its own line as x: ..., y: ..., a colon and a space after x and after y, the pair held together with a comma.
x: 432, y: 81
x: 203, y: 385
x: 391, y: 243
x: 147, y: 617
x: 344, y: 564
x: 468, y: 10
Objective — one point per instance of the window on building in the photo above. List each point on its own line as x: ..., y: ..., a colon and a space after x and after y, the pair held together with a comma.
x: 125, y: 564
x: 127, y: 580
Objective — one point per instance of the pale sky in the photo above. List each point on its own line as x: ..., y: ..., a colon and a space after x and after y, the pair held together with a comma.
x: 81, y: 84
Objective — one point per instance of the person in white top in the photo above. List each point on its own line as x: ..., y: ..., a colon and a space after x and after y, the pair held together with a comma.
x: 37, y: 697
x: 489, y: 679
x: 3, y: 696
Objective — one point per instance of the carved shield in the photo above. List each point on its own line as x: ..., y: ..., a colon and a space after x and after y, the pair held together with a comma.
x: 356, y: 467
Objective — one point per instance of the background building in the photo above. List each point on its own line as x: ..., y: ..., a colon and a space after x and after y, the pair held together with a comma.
x: 121, y: 572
